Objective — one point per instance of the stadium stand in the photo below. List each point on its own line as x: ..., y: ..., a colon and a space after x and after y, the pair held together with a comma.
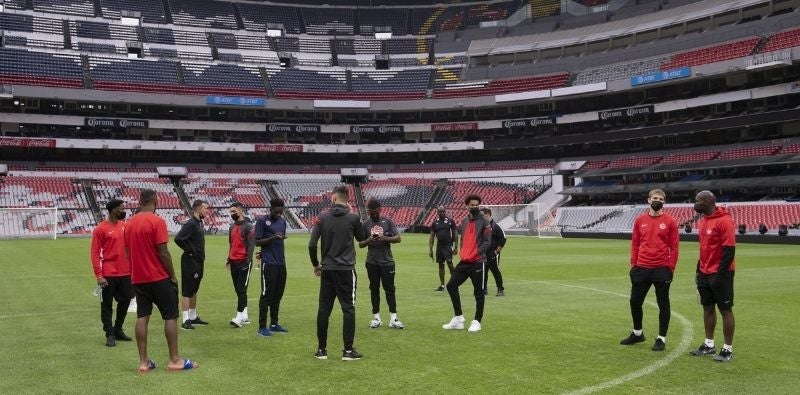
x: 486, y: 88
x: 203, y: 13
x: 152, y: 11
x: 19, y: 66
x: 71, y: 7
x: 328, y: 21
x: 257, y: 16
x: 782, y: 40
x: 716, y: 53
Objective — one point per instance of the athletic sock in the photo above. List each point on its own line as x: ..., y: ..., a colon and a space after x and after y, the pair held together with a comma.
x: 663, y: 338
x: 244, y: 313
x: 392, y: 316
x: 192, y: 314
x: 637, y: 332
x: 377, y: 316
x: 728, y: 347
x: 185, y: 316
x: 709, y: 343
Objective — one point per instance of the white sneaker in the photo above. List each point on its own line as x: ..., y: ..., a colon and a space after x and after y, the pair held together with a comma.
x: 396, y: 324
x: 245, y: 321
x: 474, y: 326
x: 236, y: 322
x: 375, y: 323
x: 455, y: 323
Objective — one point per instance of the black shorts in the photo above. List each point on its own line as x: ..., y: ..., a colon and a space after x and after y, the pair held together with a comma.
x: 191, y: 275
x: 164, y: 294
x: 715, y: 289
x: 444, y: 252
x: 641, y: 275
x: 120, y: 287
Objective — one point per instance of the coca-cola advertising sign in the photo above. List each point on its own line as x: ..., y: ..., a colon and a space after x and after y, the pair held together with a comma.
x: 279, y: 148
x: 117, y: 123
x: 449, y: 127
x: 290, y: 128
x: 25, y: 142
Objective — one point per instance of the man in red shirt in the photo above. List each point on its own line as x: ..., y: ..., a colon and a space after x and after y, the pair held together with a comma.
x: 154, y: 281
x: 715, y: 270
x: 476, y: 235
x: 112, y: 271
x: 654, y: 254
x: 241, y: 240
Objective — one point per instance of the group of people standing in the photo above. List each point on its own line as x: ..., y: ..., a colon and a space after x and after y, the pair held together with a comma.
x: 131, y: 258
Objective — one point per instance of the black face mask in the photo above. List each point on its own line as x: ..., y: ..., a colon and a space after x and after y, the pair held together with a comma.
x: 656, y: 205
x: 121, y: 215
x: 202, y: 217
x: 474, y: 211
x: 235, y: 217
x: 699, y: 208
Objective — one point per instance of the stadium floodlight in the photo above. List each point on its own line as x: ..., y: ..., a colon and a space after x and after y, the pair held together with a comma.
x: 275, y: 30
x: 383, y: 32
x: 130, y: 18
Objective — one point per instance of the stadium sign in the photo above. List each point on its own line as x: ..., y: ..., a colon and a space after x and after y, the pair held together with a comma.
x: 288, y: 128
x: 377, y: 129
x: 117, y: 123
x: 524, y: 122
x: 682, y: 72
x: 235, y: 101
x: 279, y: 148
x: 449, y: 127
x: 25, y: 142
x: 625, y: 113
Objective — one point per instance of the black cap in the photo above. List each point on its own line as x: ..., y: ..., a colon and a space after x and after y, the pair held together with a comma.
x: 113, y: 203
x: 373, y: 204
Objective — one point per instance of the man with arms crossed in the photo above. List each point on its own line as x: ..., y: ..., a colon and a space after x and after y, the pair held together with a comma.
x: 444, y: 229
x: 476, y: 234
x: 240, y: 260
x: 654, y: 254
x: 191, y: 239
x: 270, y: 233
x: 336, y: 228
x: 112, y: 271
x: 715, y: 270
x: 154, y: 281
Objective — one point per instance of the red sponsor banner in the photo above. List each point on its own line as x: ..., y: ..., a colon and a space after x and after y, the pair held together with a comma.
x: 449, y: 127
x: 27, y: 142
x: 279, y: 148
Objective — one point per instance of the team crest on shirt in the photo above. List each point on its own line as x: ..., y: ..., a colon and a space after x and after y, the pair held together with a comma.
x: 708, y: 232
x: 662, y: 226
x: 377, y: 230
x: 269, y: 223
x: 196, y: 275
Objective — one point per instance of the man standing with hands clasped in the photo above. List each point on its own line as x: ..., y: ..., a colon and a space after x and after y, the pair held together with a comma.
x: 715, y: 270
x: 446, y: 234
x: 270, y: 233
x: 380, y: 263
x: 336, y: 227
x: 191, y: 239
x: 654, y: 254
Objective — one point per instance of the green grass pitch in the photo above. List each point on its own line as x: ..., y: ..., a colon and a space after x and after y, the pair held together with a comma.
x: 556, y: 331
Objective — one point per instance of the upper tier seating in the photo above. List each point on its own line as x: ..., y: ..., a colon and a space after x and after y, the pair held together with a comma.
x: 328, y: 21
x: 152, y: 10
x: 747, y: 152
x: 72, y: 7
x: 18, y: 66
x: 633, y: 161
x: 396, y: 18
x: 503, y: 86
x: 203, y: 13
x: 716, y: 53
x: 781, y: 40
x: 256, y: 17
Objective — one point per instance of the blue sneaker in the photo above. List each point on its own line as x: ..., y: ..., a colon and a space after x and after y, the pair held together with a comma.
x: 264, y: 332
x: 278, y: 328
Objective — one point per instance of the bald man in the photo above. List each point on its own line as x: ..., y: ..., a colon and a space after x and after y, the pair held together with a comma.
x: 715, y: 270
x: 444, y: 230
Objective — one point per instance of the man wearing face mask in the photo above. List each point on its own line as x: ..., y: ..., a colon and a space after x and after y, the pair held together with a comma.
x: 444, y: 229
x: 654, y: 254
x: 476, y: 235
x: 270, y: 234
x: 112, y: 271
x: 191, y: 239
x: 241, y: 240
x: 380, y: 262
x: 715, y: 270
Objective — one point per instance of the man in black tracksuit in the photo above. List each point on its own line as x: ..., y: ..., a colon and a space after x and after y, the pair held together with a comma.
x: 336, y: 228
x: 191, y: 239
x: 493, y: 255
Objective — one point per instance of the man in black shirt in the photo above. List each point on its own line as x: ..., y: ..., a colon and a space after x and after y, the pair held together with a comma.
x: 444, y: 229
x: 336, y: 227
x: 493, y: 255
x: 380, y: 262
x: 191, y: 239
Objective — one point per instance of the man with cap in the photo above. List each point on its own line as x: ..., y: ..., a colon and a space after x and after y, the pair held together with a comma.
x: 444, y: 229
x: 380, y: 263
x: 112, y: 271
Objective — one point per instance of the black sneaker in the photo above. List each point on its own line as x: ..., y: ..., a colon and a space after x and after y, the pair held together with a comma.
x: 658, y: 345
x: 121, y: 336
x: 703, y: 350
x: 198, y: 321
x: 110, y: 341
x: 321, y: 354
x: 724, y: 356
x: 632, y: 339
x: 187, y: 325
x: 501, y: 292
x: 440, y: 289
x: 351, y: 355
